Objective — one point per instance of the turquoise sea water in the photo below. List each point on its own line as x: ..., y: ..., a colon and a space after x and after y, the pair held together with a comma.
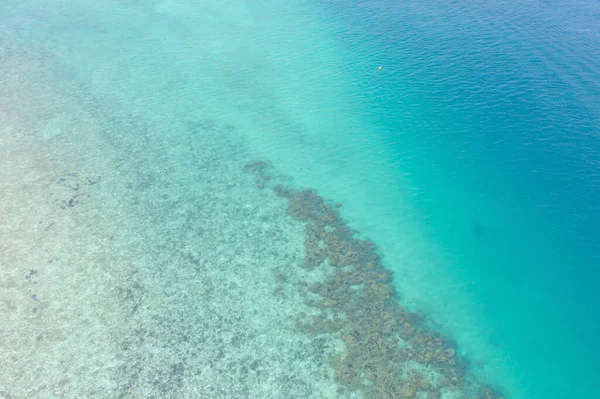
x: 500, y: 136
x: 460, y: 137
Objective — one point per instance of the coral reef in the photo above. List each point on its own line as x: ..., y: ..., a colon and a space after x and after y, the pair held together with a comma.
x: 390, y: 351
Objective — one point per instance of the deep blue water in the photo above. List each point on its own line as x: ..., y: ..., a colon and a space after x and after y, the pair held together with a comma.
x: 493, y: 108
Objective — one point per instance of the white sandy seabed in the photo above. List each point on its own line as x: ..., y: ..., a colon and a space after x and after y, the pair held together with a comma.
x: 141, y: 263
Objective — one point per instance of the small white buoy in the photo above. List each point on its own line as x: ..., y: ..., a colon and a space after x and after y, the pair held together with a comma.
x: 380, y: 68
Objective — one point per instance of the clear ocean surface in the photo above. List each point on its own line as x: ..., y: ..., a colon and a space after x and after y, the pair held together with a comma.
x: 156, y: 241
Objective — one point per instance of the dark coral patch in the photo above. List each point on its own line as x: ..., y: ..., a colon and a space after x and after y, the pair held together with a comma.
x: 387, y: 347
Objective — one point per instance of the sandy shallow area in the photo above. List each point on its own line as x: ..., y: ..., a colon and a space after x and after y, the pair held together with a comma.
x: 122, y: 276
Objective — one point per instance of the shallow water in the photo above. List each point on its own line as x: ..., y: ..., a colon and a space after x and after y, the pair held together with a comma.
x: 141, y: 259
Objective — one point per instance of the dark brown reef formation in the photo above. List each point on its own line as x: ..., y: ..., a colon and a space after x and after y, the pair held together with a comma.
x: 390, y: 352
